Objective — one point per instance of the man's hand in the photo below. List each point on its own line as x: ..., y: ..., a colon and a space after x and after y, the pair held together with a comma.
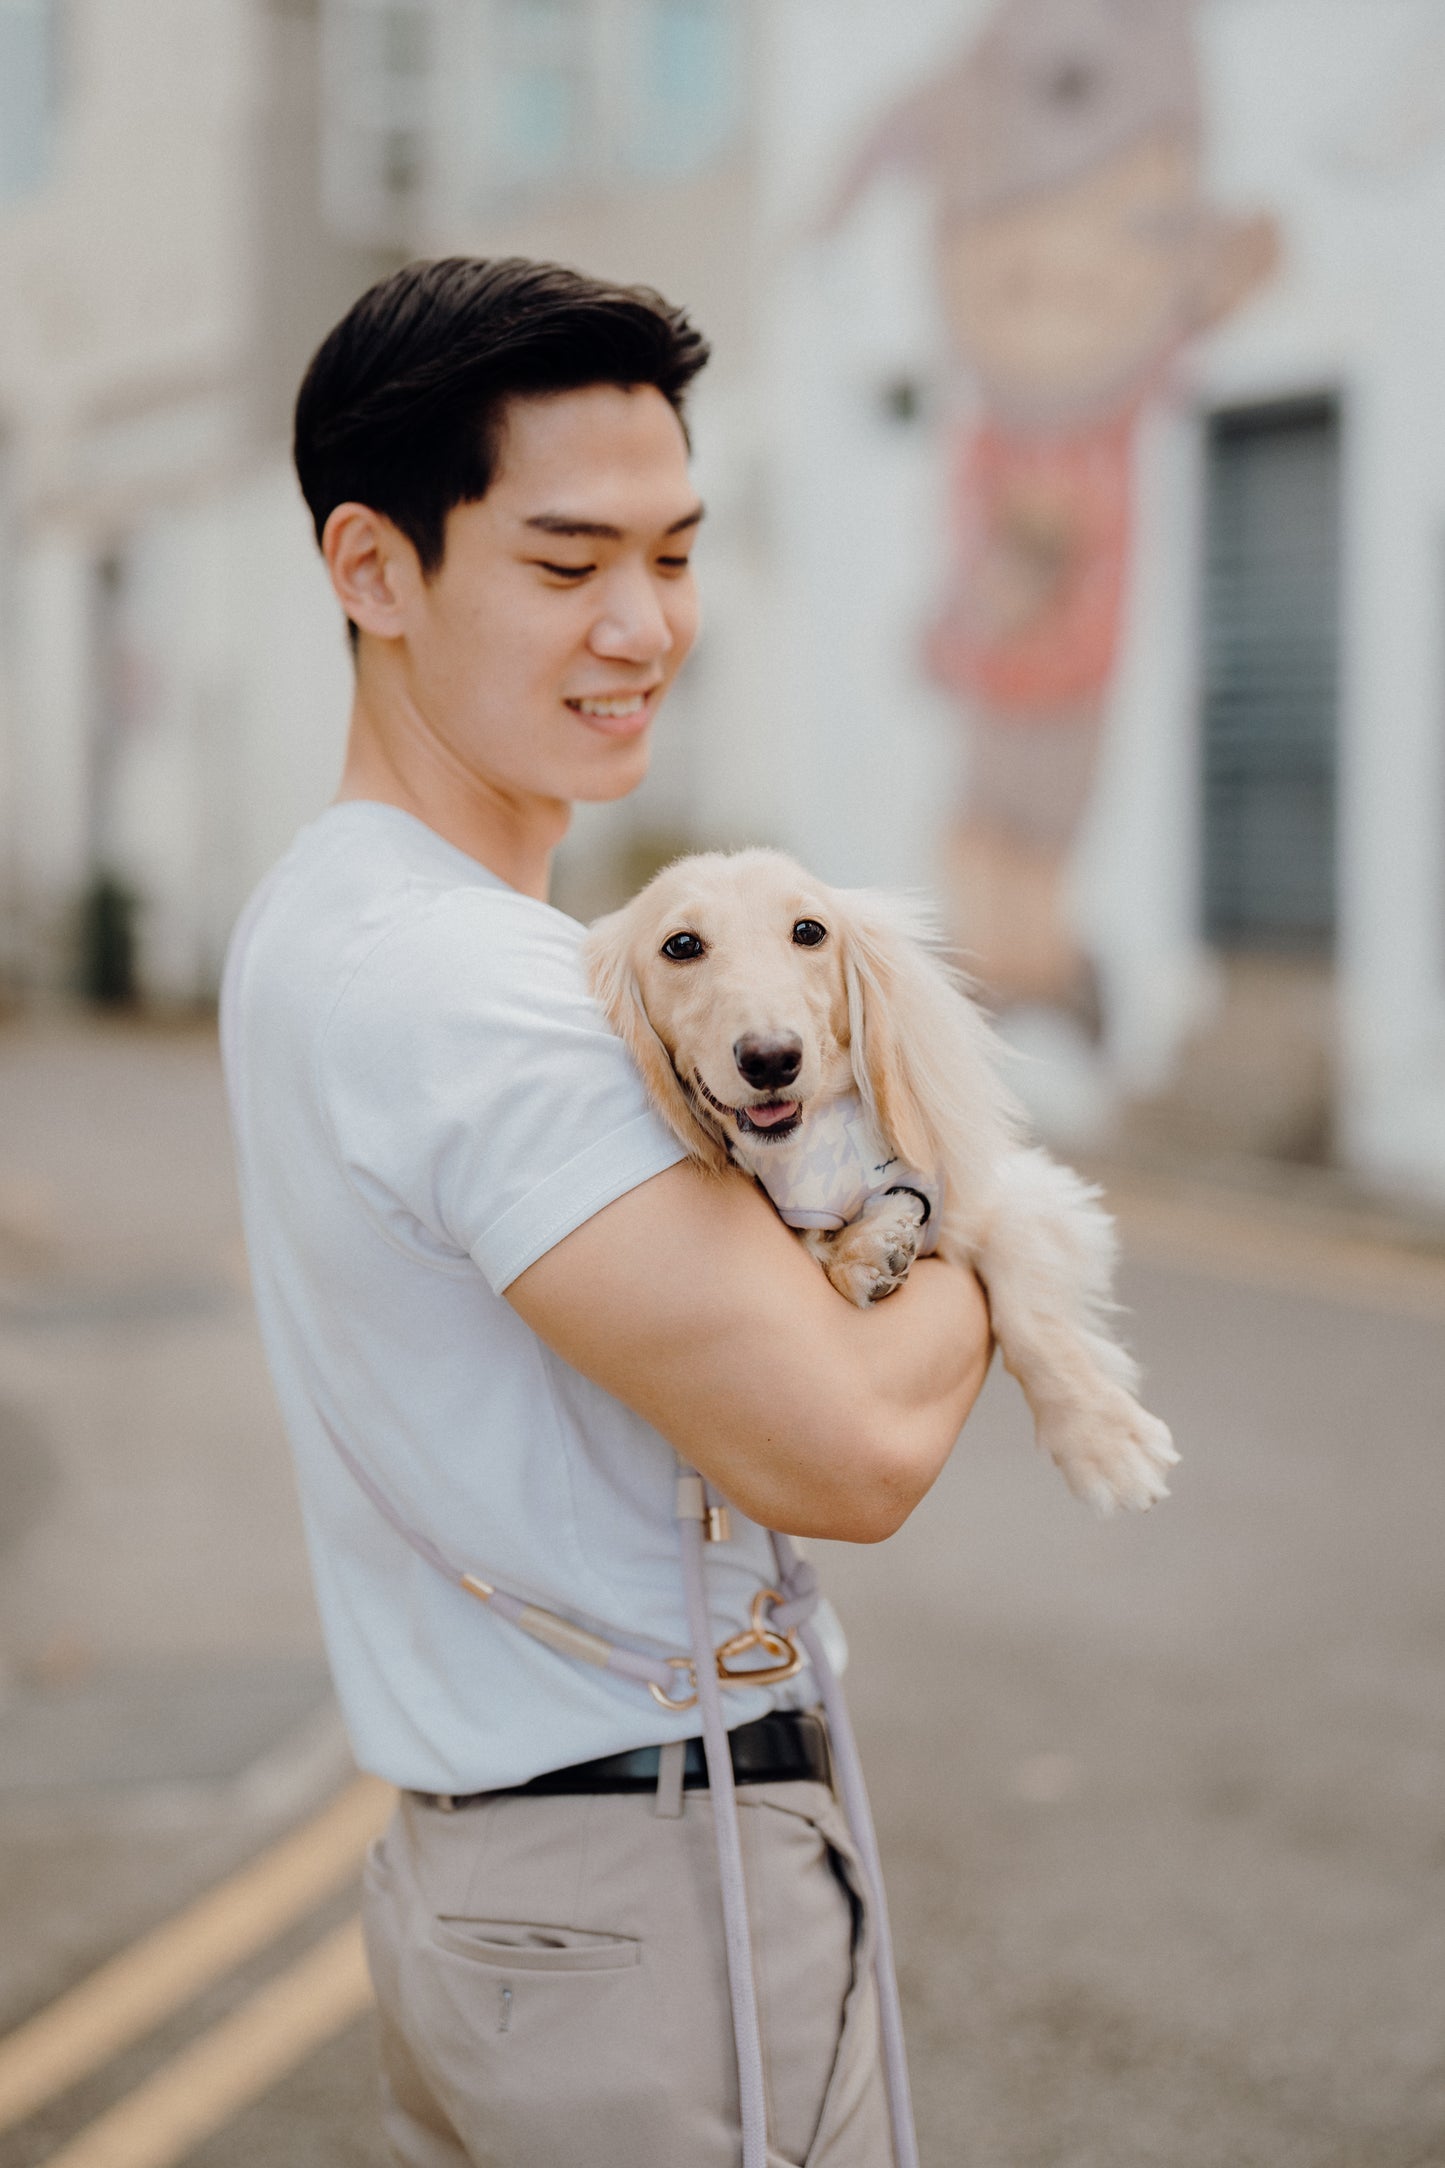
x: 689, y: 1300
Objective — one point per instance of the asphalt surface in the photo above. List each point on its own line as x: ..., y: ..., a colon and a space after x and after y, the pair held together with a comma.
x: 1162, y: 1801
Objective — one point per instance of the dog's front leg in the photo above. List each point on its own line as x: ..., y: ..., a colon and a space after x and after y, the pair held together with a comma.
x: 1046, y: 1257
x: 869, y: 1258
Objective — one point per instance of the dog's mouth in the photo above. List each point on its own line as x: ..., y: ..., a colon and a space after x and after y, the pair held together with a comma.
x: 770, y: 1118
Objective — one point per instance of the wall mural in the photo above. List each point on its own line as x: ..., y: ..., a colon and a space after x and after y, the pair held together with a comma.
x: 1076, y: 254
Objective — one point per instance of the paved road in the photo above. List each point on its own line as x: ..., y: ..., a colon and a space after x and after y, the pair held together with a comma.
x: 1163, y: 1802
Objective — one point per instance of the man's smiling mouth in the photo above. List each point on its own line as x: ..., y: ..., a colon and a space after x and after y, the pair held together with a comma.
x: 771, y: 1119
x: 616, y: 707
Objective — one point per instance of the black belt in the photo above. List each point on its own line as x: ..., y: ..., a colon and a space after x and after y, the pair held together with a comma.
x: 787, y: 1746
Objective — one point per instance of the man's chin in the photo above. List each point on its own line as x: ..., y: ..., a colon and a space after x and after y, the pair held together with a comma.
x: 620, y: 769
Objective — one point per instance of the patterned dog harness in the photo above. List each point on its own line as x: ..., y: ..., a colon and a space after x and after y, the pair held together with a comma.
x: 835, y: 1164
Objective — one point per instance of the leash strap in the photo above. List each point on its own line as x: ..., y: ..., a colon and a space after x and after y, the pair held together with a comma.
x: 799, y: 1585
x: 705, y: 1673
x: 798, y: 1578
x: 737, y: 1936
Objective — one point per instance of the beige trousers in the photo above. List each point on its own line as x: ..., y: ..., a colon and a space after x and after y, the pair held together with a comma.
x: 553, y: 1987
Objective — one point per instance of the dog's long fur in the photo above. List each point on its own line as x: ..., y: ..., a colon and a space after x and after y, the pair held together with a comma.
x: 879, y: 1012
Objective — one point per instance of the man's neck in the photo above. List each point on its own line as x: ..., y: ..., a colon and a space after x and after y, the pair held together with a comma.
x: 512, y: 834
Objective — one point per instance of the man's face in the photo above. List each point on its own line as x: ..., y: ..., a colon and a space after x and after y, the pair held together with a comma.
x: 565, y: 604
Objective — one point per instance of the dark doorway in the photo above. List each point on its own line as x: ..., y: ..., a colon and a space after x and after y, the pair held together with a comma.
x: 1271, y: 675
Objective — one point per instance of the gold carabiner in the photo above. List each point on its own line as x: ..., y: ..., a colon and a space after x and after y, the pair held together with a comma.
x: 786, y: 1659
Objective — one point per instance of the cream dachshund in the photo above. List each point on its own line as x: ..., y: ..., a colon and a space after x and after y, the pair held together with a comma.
x: 813, y: 1037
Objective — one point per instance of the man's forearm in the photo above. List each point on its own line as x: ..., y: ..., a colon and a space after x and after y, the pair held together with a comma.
x: 874, y: 1414
x: 689, y: 1300
x: 927, y: 1351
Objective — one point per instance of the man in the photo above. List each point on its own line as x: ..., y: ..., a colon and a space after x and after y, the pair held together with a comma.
x: 481, y: 1265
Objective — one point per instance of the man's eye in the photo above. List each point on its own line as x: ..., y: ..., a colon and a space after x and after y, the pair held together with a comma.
x: 564, y: 572
x: 808, y: 933
x: 683, y: 948
x: 674, y: 564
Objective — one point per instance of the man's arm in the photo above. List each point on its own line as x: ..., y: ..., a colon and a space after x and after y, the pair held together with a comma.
x: 689, y: 1300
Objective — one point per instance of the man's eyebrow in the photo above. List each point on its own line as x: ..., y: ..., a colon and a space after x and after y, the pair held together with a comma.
x: 597, y: 530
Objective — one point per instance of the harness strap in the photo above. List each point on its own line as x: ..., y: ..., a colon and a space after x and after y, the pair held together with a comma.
x: 661, y: 1674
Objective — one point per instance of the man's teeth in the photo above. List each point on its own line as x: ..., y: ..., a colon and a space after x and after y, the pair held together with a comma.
x: 628, y: 704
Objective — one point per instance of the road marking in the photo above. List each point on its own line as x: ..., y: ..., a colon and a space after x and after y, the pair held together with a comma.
x: 1225, y: 1241
x: 131, y: 1994
x: 233, y: 2064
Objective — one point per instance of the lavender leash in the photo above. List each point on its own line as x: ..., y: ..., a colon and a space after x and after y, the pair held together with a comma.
x: 798, y: 1582
x: 737, y: 1937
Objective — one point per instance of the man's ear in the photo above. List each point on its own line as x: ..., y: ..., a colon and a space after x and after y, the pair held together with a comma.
x: 614, y: 983
x: 372, y: 568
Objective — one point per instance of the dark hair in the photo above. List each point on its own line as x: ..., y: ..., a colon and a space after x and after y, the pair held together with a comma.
x: 403, y: 403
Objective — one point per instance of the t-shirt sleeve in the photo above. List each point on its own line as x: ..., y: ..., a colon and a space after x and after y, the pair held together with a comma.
x: 474, y: 1091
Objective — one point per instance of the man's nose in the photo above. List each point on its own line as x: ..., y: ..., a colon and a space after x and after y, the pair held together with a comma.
x: 768, y: 1062
x: 634, y: 626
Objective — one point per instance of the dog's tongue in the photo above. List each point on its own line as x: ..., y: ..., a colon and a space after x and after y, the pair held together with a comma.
x: 782, y: 1110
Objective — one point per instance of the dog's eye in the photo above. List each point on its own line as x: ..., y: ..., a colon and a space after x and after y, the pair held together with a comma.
x: 808, y: 933
x: 683, y: 948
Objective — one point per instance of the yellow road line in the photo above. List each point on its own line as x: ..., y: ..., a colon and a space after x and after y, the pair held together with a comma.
x: 233, y: 2064
x: 1225, y: 1241
x: 155, y: 1976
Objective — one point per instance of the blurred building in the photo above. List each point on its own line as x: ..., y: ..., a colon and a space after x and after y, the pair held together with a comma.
x: 191, y: 191
x: 170, y: 680
x: 1240, y: 890
x: 1260, y: 875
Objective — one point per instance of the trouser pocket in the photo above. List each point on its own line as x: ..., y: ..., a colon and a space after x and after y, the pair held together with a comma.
x: 536, y: 2040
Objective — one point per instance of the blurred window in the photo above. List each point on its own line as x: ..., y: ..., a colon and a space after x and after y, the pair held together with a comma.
x: 28, y: 36
x: 377, y: 115
x: 1271, y: 675
x: 689, y: 78
x: 438, y: 107
x: 543, y: 56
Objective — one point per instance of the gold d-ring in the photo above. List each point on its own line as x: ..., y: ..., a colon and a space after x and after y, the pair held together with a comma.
x: 669, y: 1701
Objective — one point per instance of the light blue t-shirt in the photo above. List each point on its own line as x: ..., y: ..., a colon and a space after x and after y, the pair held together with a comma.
x: 425, y: 1099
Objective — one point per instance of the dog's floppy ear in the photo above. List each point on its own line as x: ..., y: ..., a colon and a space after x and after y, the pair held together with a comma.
x: 924, y: 1057
x: 614, y: 982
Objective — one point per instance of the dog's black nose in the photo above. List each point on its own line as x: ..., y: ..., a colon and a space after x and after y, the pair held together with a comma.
x: 769, y: 1063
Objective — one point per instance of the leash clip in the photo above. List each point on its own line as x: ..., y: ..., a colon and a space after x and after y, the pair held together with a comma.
x: 785, y: 1658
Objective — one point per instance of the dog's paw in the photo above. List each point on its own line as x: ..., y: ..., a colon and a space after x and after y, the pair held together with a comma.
x: 870, y: 1260
x: 1112, y: 1453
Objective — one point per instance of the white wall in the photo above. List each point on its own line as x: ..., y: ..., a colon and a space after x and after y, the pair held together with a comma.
x: 240, y: 719
x: 1303, y: 87
x: 125, y: 274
